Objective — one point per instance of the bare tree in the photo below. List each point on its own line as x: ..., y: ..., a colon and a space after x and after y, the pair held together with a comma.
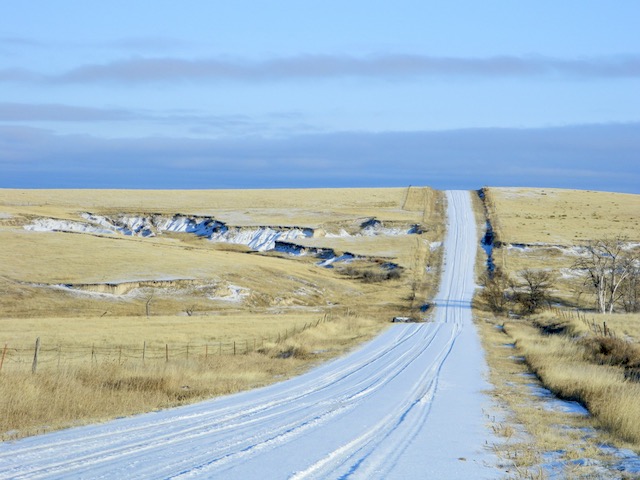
x: 534, y: 291
x: 606, y: 266
x: 630, y: 295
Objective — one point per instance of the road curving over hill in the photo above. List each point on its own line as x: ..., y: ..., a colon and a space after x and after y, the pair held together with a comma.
x: 408, y: 404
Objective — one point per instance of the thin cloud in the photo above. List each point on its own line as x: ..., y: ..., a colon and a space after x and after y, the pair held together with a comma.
x: 20, y: 42
x: 21, y: 75
x: 397, y: 66
x: 196, y: 122
x: 129, y: 44
x: 147, y: 44
x: 51, y: 112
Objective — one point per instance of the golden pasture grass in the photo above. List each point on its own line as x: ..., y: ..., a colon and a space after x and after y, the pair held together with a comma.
x: 29, y: 261
x: 82, y: 391
x: 562, y: 217
x: 297, y: 207
x: 551, y: 221
x: 531, y: 431
x: 156, y: 331
x: 560, y: 363
x: 59, y: 257
x: 272, y: 316
x: 624, y: 325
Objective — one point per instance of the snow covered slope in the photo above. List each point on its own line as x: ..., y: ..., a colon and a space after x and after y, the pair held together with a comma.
x: 406, y: 405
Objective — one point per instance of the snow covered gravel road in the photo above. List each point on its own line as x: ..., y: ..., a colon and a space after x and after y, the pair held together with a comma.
x: 409, y: 404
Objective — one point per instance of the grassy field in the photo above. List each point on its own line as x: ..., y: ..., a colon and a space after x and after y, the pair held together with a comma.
x: 96, y: 301
x: 83, y: 389
x: 561, y: 217
x: 541, y: 228
x: 569, y: 353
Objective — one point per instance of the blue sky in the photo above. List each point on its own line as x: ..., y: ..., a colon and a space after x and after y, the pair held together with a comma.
x: 208, y: 94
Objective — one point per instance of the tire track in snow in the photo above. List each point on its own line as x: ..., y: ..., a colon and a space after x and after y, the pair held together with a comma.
x: 374, y: 443
x: 185, y: 433
x: 194, y: 421
x: 399, y: 365
x: 362, y: 416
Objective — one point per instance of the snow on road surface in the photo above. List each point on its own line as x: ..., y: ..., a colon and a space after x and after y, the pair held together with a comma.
x: 408, y: 404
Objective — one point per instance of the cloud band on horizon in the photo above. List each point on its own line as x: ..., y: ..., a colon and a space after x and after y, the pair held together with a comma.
x: 583, y: 156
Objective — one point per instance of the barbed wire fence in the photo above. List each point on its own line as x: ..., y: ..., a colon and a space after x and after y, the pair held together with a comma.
x: 594, y: 326
x: 40, y: 355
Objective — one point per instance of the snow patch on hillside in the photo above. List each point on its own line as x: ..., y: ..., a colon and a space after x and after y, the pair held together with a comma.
x: 256, y: 238
x: 231, y: 293
x: 55, y: 225
x: 259, y: 238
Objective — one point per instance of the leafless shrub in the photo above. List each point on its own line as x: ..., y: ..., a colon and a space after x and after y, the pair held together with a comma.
x: 372, y: 275
x: 532, y: 294
x: 612, y: 351
x: 496, y: 291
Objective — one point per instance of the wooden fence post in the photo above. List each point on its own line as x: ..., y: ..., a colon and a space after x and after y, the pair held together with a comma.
x: 166, y: 352
x: 4, y: 352
x: 34, y: 365
x: 234, y: 347
x: 206, y: 351
x: 144, y: 350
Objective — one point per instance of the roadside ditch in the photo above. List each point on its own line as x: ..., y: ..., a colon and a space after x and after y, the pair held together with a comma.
x: 546, y: 432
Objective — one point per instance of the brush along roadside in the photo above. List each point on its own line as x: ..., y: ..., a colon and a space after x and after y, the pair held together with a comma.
x: 544, y: 437
x: 82, y: 392
x: 586, y: 368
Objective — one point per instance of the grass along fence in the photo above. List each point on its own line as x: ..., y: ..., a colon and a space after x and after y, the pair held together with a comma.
x: 41, y: 355
x: 595, y: 327
x: 84, y: 387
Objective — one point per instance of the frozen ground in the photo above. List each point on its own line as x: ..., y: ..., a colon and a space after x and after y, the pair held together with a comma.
x: 409, y: 404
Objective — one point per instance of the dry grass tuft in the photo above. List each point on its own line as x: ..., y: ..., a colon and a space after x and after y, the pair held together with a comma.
x: 81, y: 392
x: 612, y: 351
x: 529, y: 431
x: 563, y: 366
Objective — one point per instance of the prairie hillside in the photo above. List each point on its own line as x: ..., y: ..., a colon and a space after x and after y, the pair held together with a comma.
x: 556, y: 240
x: 181, y: 295
x: 78, y: 253
x: 561, y: 216
x: 544, y: 228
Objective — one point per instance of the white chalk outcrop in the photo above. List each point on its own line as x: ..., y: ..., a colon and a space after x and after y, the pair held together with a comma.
x: 259, y: 238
